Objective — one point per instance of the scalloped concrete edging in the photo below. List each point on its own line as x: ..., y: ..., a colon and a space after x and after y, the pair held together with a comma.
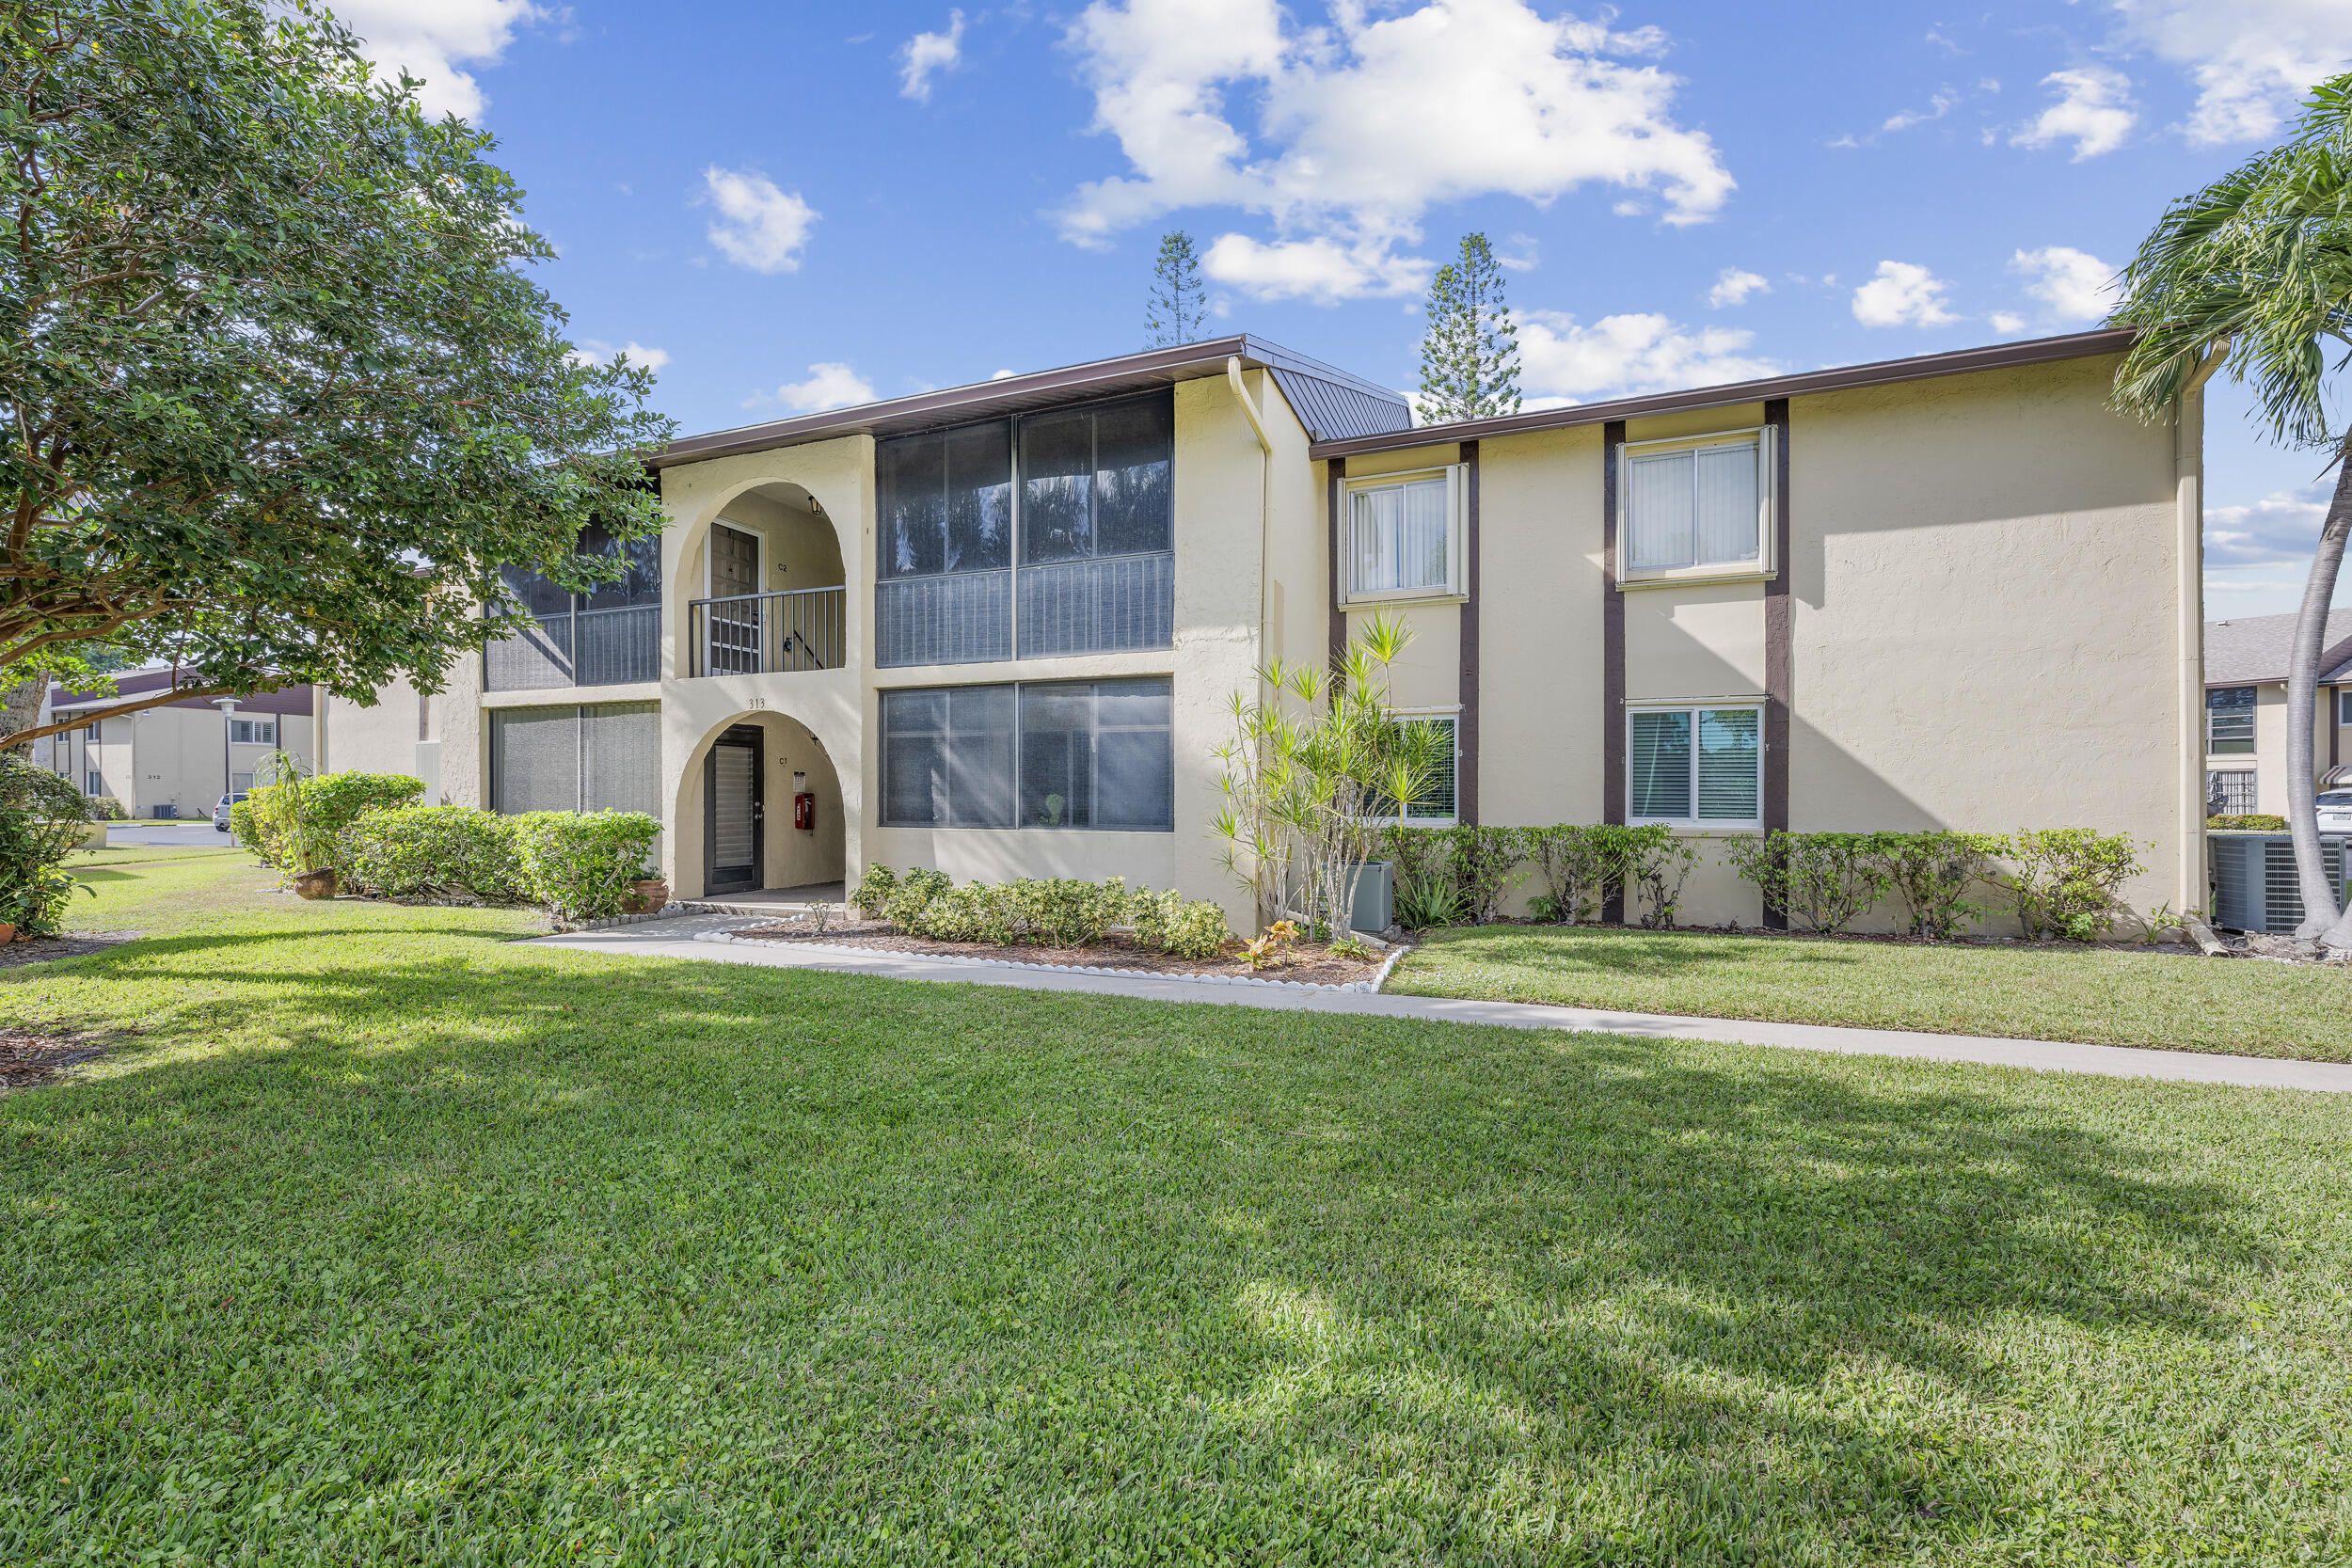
x: 667, y: 911
x: 1361, y: 988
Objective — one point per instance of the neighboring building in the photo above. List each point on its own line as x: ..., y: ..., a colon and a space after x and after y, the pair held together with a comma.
x: 175, y: 760
x: 996, y: 629
x: 2246, y: 710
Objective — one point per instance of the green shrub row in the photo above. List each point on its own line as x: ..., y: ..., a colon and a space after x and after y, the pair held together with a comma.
x: 1055, y: 911
x: 2062, y: 882
x: 42, y: 820
x: 105, y: 808
x: 580, y: 864
x: 2249, y: 822
x: 303, y: 819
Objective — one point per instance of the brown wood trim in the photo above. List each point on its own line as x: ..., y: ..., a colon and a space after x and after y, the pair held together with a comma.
x: 2335, y: 726
x: 1780, y: 673
x: 1466, y: 722
x: 1612, y: 654
x: 1331, y: 505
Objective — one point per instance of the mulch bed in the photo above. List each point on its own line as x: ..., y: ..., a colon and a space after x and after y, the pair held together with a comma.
x: 42, y: 949
x: 29, y: 1057
x: 1311, y: 963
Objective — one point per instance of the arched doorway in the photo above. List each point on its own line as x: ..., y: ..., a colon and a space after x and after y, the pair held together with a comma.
x: 768, y: 801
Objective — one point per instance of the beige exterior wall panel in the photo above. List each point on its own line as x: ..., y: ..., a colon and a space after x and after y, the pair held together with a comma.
x: 1695, y: 640
x: 1983, y: 577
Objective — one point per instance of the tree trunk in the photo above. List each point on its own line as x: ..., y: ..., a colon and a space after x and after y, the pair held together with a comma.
x: 20, y: 706
x: 2320, y: 913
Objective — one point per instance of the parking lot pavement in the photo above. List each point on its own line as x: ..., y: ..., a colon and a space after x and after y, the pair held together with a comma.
x: 174, y: 835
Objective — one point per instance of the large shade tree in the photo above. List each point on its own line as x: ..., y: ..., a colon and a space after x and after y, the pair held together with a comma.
x: 280, y: 400
x: 2255, y: 271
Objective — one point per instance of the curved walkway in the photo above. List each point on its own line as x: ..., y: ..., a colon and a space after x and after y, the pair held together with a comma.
x: 686, y: 938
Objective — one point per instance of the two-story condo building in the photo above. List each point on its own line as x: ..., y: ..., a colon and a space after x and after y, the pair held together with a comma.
x: 997, y: 629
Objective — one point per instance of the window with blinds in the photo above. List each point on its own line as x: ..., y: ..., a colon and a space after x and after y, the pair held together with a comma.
x: 1051, y: 754
x: 2230, y: 721
x: 1693, y: 506
x: 1435, y: 806
x: 1404, y: 534
x: 603, y: 757
x: 1695, y: 765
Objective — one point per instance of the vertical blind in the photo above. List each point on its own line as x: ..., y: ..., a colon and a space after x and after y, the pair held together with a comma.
x: 1698, y: 507
x: 1397, y: 537
x: 1703, y: 765
x: 1053, y: 754
x: 604, y: 756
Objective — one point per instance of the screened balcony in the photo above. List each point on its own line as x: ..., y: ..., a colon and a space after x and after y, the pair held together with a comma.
x: 611, y: 636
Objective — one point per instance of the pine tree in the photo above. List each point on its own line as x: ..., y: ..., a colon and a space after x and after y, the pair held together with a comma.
x: 1470, y: 355
x: 1173, y: 311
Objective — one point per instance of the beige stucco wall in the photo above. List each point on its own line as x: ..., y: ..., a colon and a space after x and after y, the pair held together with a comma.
x: 1983, y: 577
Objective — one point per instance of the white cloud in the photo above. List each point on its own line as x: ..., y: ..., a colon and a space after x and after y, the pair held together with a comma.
x: 1902, y: 293
x: 430, y: 38
x: 1355, y: 129
x: 926, y: 53
x: 594, y: 351
x: 2251, y: 59
x: 2074, y: 285
x: 1938, y: 106
x: 2006, y: 323
x: 1733, y: 287
x: 760, y: 227
x: 2281, y: 527
x: 1563, y: 361
x: 2094, y: 111
x: 1004, y: 375
x: 830, y: 384
x: 1519, y: 253
x: 1323, y: 270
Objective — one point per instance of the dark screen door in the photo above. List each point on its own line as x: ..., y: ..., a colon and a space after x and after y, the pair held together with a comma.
x: 731, y: 837
x: 735, y: 616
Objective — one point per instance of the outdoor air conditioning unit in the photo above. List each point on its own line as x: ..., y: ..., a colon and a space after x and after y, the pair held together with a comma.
x: 2254, y: 883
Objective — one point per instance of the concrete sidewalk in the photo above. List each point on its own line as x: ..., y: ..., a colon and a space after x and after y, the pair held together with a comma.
x: 687, y: 937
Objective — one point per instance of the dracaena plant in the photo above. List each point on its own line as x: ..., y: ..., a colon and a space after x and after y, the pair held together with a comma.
x: 1318, y: 767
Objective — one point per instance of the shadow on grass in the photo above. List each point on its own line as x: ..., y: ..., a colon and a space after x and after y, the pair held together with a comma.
x: 1451, y: 1289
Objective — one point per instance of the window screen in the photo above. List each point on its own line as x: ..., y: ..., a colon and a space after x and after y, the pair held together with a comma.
x: 2230, y: 721
x: 945, y: 498
x: 1098, y: 480
x: 1437, y: 799
x: 1397, y: 538
x: 1052, y: 754
x: 1694, y: 764
x: 603, y: 757
x: 2343, y: 707
x: 1700, y: 506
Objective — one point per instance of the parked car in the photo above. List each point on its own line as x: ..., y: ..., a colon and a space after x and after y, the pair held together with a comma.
x: 220, y: 812
x: 2335, y: 811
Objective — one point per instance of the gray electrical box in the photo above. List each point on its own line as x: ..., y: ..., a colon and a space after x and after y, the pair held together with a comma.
x: 1374, y: 909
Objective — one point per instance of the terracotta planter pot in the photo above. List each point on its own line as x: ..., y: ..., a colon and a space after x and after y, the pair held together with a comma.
x: 315, y: 884
x: 8, y: 933
x: 648, y: 895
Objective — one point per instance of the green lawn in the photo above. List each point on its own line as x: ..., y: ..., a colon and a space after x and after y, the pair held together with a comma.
x: 2112, y: 998
x: 382, y: 1238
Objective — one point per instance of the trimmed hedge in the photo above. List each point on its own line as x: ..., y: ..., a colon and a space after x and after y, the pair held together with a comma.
x: 580, y: 864
x: 438, y: 850
x: 1055, y: 911
x: 2249, y: 822
x: 105, y: 808
x: 331, y: 803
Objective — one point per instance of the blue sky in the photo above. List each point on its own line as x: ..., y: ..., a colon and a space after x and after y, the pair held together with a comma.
x: 794, y: 206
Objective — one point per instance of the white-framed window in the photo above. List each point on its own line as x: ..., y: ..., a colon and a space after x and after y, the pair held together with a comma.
x: 1695, y: 506
x: 91, y: 731
x: 1404, y: 536
x: 2343, y: 707
x: 253, y: 732
x: 240, y: 784
x: 94, y: 784
x: 1435, y: 808
x: 1695, y: 766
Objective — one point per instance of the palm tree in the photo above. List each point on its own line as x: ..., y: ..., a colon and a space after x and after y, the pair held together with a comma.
x: 2256, y: 270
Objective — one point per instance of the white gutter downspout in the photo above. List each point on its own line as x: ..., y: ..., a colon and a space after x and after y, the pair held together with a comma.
x: 2188, y: 522
x: 1265, y: 505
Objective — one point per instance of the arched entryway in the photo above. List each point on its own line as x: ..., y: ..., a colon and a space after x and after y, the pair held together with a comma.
x: 768, y: 804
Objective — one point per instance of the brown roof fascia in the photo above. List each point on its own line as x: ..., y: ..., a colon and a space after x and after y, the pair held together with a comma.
x: 2038, y: 351
x: 924, y: 411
